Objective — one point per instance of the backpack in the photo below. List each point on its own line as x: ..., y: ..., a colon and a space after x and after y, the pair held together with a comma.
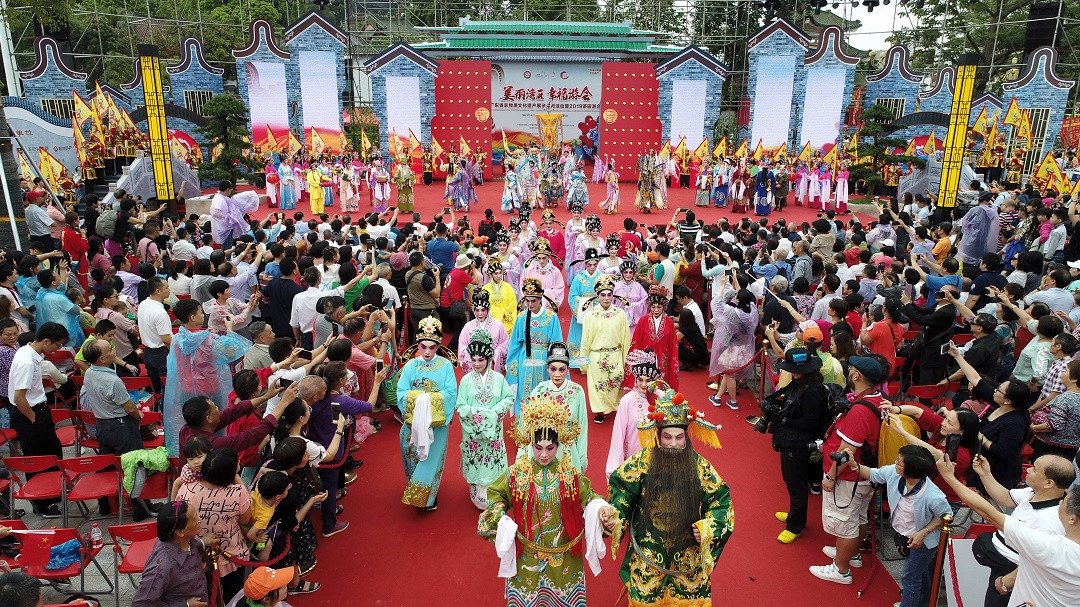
x: 105, y: 226
x: 837, y: 407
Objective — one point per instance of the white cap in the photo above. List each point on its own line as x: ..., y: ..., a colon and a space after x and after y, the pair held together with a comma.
x: 887, y: 242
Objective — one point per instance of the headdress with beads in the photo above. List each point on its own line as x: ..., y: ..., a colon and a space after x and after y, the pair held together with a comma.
x: 672, y: 410
x: 612, y: 241
x: 593, y: 223
x: 591, y: 254
x: 480, y: 344
x: 628, y: 264
x: 576, y: 206
x: 532, y: 287
x: 481, y: 299
x: 658, y: 295
x: 642, y: 363
x: 502, y: 237
x: 548, y: 215
x: 541, y: 246
x: 558, y: 353
x: 429, y: 329
x: 549, y: 415
x: 525, y: 212
x: 604, y: 282
x: 494, y: 262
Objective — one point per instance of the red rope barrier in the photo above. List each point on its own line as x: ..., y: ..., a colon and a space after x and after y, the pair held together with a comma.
x: 955, y: 580
x: 873, y: 550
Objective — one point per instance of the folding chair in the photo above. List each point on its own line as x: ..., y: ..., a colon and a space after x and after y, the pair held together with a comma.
x: 84, y: 421
x: 68, y: 434
x: 64, y: 360
x: 142, y: 382
x: 86, y: 478
x: 7, y: 435
x: 45, y: 484
x: 35, y: 555
x: 140, y: 539
x: 977, y: 529
x: 155, y: 419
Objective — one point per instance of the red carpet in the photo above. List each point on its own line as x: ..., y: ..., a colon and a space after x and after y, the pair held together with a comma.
x: 395, y: 556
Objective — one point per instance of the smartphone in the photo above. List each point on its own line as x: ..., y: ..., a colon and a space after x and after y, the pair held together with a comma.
x: 952, y: 444
x: 335, y: 408
x: 379, y: 366
x: 388, y: 305
x: 334, y: 330
x: 945, y: 348
x: 305, y: 354
x: 284, y: 383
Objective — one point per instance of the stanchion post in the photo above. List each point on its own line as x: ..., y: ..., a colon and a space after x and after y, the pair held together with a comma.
x: 944, y: 545
x: 764, y: 373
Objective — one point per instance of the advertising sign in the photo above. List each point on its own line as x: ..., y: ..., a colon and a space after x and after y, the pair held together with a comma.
x: 522, y: 89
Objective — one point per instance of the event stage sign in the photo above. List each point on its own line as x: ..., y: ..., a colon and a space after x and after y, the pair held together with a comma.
x: 823, y: 106
x: 403, y: 109
x: 268, y: 100
x: 522, y: 89
x: 772, y: 101
x: 321, y: 102
x: 36, y: 133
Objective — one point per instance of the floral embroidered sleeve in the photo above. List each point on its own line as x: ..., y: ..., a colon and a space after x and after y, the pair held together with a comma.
x: 498, y: 499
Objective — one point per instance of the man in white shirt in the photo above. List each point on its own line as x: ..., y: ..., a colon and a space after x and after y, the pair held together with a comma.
x: 1049, y: 570
x: 155, y: 331
x: 388, y: 290
x: 305, y: 304
x: 30, y: 417
x: 830, y: 284
x: 182, y: 249
x: 682, y: 295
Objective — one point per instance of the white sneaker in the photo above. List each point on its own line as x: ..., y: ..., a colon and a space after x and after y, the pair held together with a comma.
x: 830, y: 551
x: 830, y: 573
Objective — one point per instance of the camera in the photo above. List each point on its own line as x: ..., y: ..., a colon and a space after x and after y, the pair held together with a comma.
x: 762, y: 425
x: 840, y: 457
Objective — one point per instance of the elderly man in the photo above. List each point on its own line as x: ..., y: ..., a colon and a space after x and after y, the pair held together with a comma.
x: 38, y: 221
x: 675, y: 507
x: 203, y: 418
x: 258, y: 357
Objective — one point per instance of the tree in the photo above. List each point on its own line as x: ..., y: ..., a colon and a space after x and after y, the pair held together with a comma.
x: 947, y: 29
x: 651, y: 15
x: 227, y: 128
x: 876, y: 143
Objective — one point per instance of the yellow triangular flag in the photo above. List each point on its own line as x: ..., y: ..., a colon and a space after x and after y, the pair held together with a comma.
x: 1023, y: 131
x: 271, y: 141
x: 758, y: 150
x: 741, y: 151
x: 910, y: 151
x: 1046, y: 171
x: 720, y: 150
x: 804, y: 153
x: 81, y: 112
x: 665, y: 152
x: 1013, y: 114
x: 702, y: 150
x: 317, y: 143
x: 980, y: 123
x: 49, y: 167
x: 414, y: 141
x: 930, y: 147
x: 394, y: 144
x: 830, y: 157
x: 101, y: 104
x: 463, y: 147
x: 1076, y: 190
x: 436, y: 149
x: 987, y: 155
x: 365, y: 142
x: 115, y: 119
x: 24, y: 167
x: 680, y: 150
x: 294, y: 144
x: 80, y: 139
x: 780, y: 152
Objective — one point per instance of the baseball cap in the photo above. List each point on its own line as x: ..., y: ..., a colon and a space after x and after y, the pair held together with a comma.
x: 888, y: 242
x: 265, y: 580
x: 811, y: 332
x: 869, y: 367
x: 33, y: 195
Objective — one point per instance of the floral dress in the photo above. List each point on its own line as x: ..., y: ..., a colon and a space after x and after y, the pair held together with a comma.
x: 482, y: 403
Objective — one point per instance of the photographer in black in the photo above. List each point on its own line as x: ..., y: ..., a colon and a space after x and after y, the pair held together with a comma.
x: 796, y: 415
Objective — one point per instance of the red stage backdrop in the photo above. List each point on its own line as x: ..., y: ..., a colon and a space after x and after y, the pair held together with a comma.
x: 628, y: 120
x: 463, y: 107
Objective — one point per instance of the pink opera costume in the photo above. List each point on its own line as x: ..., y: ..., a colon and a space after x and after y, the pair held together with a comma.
x: 841, y: 198
x: 802, y: 184
x: 498, y: 338
x: 826, y: 185
x: 610, y: 204
x: 227, y: 221
x: 813, y: 187
x: 380, y: 187
x: 633, y: 407
x: 299, y: 170
x: 350, y: 187
x: 629, y: 294
x: 541, y: 267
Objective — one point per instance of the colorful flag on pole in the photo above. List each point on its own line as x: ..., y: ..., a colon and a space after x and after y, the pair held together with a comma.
x: 365, y: 142
x: 665, y: 152
x: 436, y: 149
x: 463, y: 147
x: 505, y: 145
x: 1023, y: 131
x: 81, y: 112
x: 414, y: 142
x: 805, y: 153
x: 100, y: 102
x: 294, y: 144
x: 930, y: 147
x: 50, y: 168
x: 741, y: 151
x: 980, y: 123
x: 394, y: 144
x: 24, y: 167
x: 1013, y: 114
x: 271, y: 141
x: 1047, y: 171
x: 987, y: 154
x: 317, y: 143
x: 758, y: 150
x: 701, y: 152
x: 720, y: 151
x: 781, y: 152
x: 830, y: 156
x: 680, y: 150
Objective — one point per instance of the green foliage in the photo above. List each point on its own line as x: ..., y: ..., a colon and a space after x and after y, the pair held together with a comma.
x: 360, y: 121
x: 227, y: 127
x: 949, y: 29
x: 876, y: 143
x: 651, y: 15
x: 49, y: 14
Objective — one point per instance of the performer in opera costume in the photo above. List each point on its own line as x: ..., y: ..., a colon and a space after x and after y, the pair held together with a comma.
x: 841, y: 194
x: 538, y: 326
x: 483, y: 399
x: 674, y: 506
x: 656, y: 332
x: 498, y: 337
x: 610, y: 204
x: 605, y: 342
x: 560, y: 387
x: 581, y: 292
x: 543, y: 515
x: 501, y: 295
x: 426, y: 395
x: 629, y: 294
x: 633, y: 407
x: 541, y: 267
x: 404, y: 179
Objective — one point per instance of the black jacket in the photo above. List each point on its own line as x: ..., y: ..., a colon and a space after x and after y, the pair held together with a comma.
x: 937, y: 330
x: 805, y: 408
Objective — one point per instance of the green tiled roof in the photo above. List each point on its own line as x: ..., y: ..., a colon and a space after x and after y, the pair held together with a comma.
x: 567, y: 36
x: 547, y: 43
x: 546, y: 27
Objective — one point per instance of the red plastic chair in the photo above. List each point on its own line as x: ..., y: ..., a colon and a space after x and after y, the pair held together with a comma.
x: 962, y: 338
x: 153, y: 418
x: 7, y: 435
x: 68, y: 434
x: 88, y: 478
x: 158, y: 485
x: 1025, y: 453
x: 12, y: 563
x: 35, y: 555
x: 930, y: 392
x: 84, y: 420
x: 142, y: 382
x: 977, y: 529
x: 139, y: 539
x: 45, y: 484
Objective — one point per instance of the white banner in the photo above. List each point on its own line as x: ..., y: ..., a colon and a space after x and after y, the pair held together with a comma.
x: 522, y: 89
x: 823, y: 106
x: 403, y: 106
x: 687, y: 112
x: 772, y: 101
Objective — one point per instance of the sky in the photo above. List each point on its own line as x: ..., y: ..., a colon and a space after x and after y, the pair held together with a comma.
x: 876, y: 25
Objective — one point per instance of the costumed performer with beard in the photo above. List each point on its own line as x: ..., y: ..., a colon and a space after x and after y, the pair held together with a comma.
x: 538, y: 326
x: 426, y: 394
x: 674, y: 506
x: 483, y: 398
x: 543, y: 515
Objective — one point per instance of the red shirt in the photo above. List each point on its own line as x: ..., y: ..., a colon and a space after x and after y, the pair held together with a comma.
x: 628, y: 241
x: 455, y: 289
x: 931, y: 422
x: 859, y: 426
x: 886, y: 336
